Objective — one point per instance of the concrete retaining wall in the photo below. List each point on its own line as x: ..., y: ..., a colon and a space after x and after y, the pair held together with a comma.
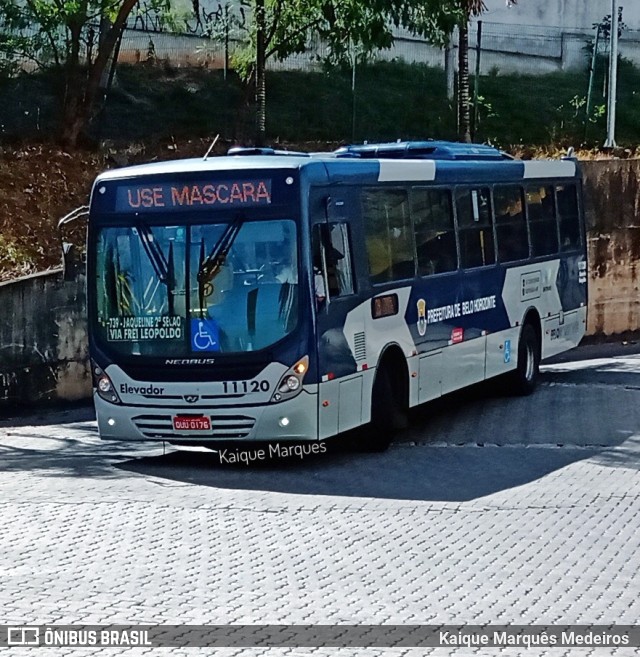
x: 612, y: 204
x: 531, y: 38
x: 43, y: 340
x: 522, y: 49
x: 43, y: 345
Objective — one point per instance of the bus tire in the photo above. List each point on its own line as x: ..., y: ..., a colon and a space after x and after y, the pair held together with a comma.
x: 388, y: 413
x: 524, y: 378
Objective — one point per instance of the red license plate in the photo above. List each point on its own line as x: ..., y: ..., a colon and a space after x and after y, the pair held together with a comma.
x: 183, y: 423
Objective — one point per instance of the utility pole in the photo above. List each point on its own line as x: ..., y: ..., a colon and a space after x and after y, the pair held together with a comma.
x: 613, y: 76
x: 450, y: 63
x: 261, y: 91
x: 592, y: 70
x: 476, y: 82
x: 354, y: 61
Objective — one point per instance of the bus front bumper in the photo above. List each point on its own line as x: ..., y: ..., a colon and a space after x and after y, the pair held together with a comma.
x: 294, y: 419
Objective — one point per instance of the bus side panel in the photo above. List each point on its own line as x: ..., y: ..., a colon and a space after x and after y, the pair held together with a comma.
x: 341, y: 405
x: 557, y: 290
x: 463, y: 364
x: 328, y: 407
x: 451, y: 315
x: 563, y: 332
x: 430, y: 377
x: 378, y: 334
x: 502, y: 351
x: 350, y: 413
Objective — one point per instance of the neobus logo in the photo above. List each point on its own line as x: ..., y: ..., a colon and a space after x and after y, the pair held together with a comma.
x: 189, y: 361
x: 126, y: 389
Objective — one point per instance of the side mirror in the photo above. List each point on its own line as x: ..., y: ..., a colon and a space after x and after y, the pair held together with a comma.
x: 71, y: 262
x: 72, y: 251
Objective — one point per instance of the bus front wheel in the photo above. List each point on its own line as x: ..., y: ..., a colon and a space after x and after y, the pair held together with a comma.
x: 525, y: 377
x: 388, y: 412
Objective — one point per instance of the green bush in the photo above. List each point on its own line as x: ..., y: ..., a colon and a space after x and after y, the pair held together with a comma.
x: 393, y: 100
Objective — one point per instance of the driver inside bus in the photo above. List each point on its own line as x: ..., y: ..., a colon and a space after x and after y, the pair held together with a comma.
x: 333, y: 274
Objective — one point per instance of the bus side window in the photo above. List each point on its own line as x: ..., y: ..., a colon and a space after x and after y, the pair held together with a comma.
x: 332, y: 248
x: 569, y: 217
x: 434, y: 230
x: 511, y: 227
x: 542, y: 220
x: 473, y: 208
x: 389, y: 236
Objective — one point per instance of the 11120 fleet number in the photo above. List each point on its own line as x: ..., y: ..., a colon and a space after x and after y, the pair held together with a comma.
x: 242, y: 387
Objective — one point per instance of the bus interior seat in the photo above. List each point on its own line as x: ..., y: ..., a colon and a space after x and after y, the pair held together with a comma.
x: 438, y: 252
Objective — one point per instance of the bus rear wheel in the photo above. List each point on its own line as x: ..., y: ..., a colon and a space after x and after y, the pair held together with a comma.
x: 388, y: 412
x: 524, y: 378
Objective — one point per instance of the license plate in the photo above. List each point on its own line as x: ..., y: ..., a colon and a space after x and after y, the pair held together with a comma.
x: 181, y: 423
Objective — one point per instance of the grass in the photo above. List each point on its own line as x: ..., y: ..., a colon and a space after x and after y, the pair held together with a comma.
x: 551, y: 109
x: 392, y: 100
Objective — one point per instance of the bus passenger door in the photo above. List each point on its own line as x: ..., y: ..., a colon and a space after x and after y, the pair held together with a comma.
x: 339, y: 321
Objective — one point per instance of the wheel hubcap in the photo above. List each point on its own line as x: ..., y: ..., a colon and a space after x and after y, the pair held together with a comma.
x: 530, y: 363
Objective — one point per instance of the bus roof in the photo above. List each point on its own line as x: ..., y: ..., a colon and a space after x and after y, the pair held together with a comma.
x: 215, y: 163
x: 424, y: 150
x: 428, y: 161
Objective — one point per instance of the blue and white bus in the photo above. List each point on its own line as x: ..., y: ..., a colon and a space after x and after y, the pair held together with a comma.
x: 274, y: 296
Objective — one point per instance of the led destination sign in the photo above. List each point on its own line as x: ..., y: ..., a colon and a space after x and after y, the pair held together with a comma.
x: 192, y: 195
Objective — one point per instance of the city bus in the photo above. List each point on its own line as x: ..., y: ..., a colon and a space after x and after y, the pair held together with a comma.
x: 277, y: 296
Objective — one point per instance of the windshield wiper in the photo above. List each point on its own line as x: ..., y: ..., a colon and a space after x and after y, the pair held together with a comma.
x: 154, y: 253
x: 211, y: 265
x: 162, y: 266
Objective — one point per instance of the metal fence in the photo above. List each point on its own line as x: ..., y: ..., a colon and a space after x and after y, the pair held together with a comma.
x: 523, y: 49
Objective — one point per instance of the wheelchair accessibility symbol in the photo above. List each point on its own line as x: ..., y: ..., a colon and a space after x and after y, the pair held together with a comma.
x: 204, y: 335
x: 507, y: 351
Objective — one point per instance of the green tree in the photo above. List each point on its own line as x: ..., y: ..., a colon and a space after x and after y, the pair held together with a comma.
x: 284, y: 27
x: 467, y: 10
x: 278, y: 29
x: 77, y: 37
x: 435, y: 21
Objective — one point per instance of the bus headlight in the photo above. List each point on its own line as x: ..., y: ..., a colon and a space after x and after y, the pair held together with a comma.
x: 291, y: 383
x: 103, y: 385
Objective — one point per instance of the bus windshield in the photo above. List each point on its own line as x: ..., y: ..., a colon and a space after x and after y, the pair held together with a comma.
x: 179, y: 290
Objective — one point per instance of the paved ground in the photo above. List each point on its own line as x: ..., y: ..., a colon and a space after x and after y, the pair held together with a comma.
x: 488, y: 510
